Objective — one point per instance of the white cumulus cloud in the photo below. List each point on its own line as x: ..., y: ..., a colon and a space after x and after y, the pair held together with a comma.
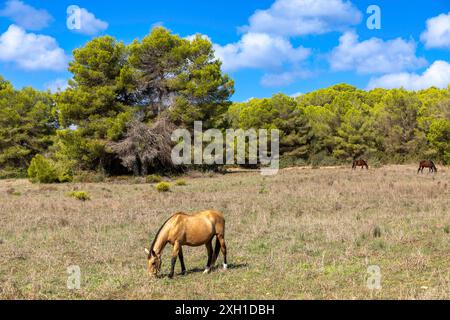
x: 266, y: 41
x: 437, y: 75
x: 302, y: 17
x: 57, y: 85
x: 259, y: 50
x: 25, y: 15
x: 297, y: 94
x: 31, y: 51
x: 374, y: 55
x: 284, y: 78
x: 192, y: 37
x: 437, y: 34
x: 89, y: 24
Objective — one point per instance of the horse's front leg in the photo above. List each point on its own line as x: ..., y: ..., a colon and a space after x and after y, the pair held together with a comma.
x: 180, y: 256
x: 175, y: 252
x: 209, y: 249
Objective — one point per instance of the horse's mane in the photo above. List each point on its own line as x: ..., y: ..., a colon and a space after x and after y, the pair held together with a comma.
x: 159, y: 231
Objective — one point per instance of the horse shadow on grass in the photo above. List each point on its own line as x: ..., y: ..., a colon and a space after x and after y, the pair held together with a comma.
x: 231, y: 266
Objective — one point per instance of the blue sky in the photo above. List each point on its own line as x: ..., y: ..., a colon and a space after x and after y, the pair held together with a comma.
x: 268, y: 46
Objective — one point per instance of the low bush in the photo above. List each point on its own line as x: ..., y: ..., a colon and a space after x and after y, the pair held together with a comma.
x: 43, y: 170
x: 163, y: 187
x: 80, y: 195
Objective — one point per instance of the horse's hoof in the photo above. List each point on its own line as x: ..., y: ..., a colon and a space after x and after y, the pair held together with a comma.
x: 183, y: 273
x: 207, y: 270
x: 225, y: 266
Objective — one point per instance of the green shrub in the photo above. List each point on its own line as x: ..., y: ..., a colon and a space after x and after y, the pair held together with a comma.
x: 80, y: 195
x: 181, y: 182
x: 163, y: 187
x: 43, y: 170
x: 64, y: 172
x: 154, y: 178
x: 447, y: 158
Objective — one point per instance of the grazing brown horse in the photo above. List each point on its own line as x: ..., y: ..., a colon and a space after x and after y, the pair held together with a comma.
x: 427, y: 164
x: 195, y: 230
x: 360, y: 163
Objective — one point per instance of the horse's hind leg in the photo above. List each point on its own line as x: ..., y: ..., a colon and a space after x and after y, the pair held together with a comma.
x: 209, y: 248
x: 181, y: 257
x: 223, y: 248
x: 216, y: 252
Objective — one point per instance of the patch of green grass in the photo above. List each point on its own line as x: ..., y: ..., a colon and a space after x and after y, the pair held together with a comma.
x: 181, y: 182
x: 259, y: 247
x: 379, y: 245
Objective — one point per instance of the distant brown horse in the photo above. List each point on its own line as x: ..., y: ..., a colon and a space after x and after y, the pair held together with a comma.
x: 427, y: 164
x: 360, y: 163
x: 190, y: 230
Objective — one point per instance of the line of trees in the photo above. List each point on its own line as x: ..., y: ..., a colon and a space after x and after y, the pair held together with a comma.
x: 341, y: 123
x: 123, y: 101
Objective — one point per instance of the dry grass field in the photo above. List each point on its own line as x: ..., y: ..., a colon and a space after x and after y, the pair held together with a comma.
x: 302, y: 234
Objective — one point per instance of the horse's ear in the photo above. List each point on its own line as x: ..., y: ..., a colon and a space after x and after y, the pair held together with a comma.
x: 153, y: 253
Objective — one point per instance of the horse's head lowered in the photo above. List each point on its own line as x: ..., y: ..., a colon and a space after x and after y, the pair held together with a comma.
x: 153, y: 262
